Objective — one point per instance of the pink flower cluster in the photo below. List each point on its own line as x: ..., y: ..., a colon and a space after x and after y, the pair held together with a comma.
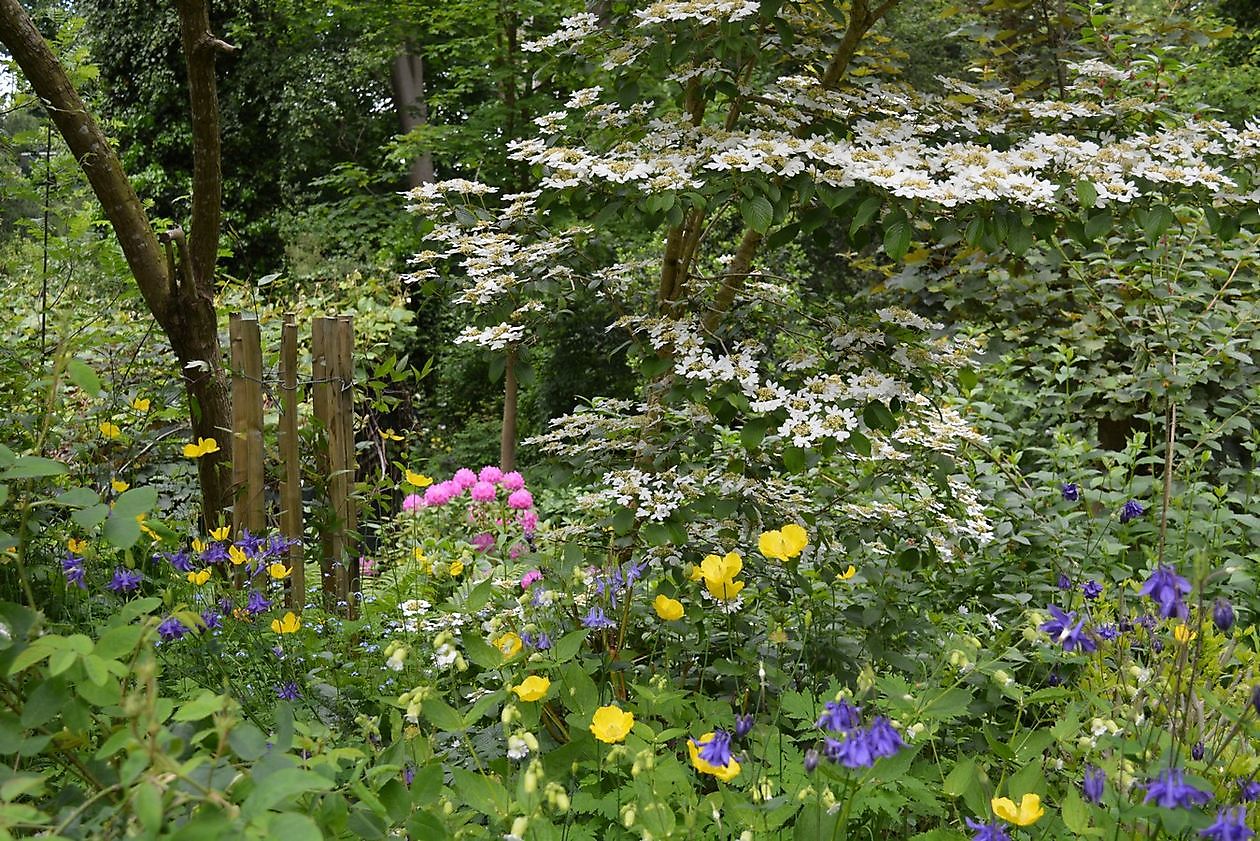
x: 482, y: 487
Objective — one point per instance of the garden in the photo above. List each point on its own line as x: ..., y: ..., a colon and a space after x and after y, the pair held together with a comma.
x: 671, y: 419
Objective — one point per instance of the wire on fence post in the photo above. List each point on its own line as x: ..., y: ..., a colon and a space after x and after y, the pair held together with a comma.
x: 247, y: 425
x: 291, y: 475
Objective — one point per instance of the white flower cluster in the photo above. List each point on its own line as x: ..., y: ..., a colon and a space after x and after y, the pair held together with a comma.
x: 701, y: 11
x: 496, y: 337
x: 572, y: 29
x: 651, y: 496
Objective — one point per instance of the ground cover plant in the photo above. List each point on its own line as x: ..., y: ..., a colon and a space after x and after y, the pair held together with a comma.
x: 918, y: 503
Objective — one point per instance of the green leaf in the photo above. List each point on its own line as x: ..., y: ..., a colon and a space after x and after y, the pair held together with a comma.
x: 793, y: 459
x: 247, y: 741
x: 483, y: 793
x: 33, y: 467
x: 122, y: 532
x: 860, y: 443
x: 146, y: 803
x: 206, y: 703
x: 78, y: 498
x: 1158, y: 219
x: 967, y: 379
x: 116, y: 642
x: 567, y: 647
x: 1098, y: 225
x: 1075, y: 813
x: 1086, y: 193
x: 135, y: 502
x: 865, y: 212
x: 293, y: 826
x: 82, y: 375
x: 442, y: 715
x: 90, y: 517
x: 758, y: 213
x: 896, y: 236
x: 752, y: 433
x: 280, y: 786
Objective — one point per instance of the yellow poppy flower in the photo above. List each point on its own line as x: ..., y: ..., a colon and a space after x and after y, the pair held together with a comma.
x: 784, y: 543
x: 237, y: 556
x: 287, y: 625
x: 456, y: 569
x: 725, y: 773
x: 221, y: 533
x: 532, y: 688
x: 509, y: 645
x: 795, y: 538
x: 724, y: 568
x: 198, y: 546
x: 419, y: 480
x: 847, y: 574
x: 76, y: 546
x: 109, y: 430
x: 667, y: 608
x: 118, y: 485
x: 1183, y: 634
x: 724, y: 590
x: 1027, y: 812
x: 278, y: 571
x: 694, y: 573
x: 610, y: 724
x: 203, y: 447
x: 200, y: 577
x: 140, y: 404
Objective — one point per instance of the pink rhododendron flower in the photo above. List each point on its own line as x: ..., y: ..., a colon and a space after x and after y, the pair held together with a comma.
x: 516, y: 550
x: 521, y: 500
x: 513, y: 481
x: 437, y: 494
x: 483, y: 492
x: 490, y: 474
x: 528, y: 521
x: 483, y: 541
x: 465, y: 478
x: 530, y: 578
x: 412, y: 502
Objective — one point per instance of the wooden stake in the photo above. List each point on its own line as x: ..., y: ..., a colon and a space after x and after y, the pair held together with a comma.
x: 348, y: 515
x: 247, y: 425
x: 291, y: 478
x: 331, y: 535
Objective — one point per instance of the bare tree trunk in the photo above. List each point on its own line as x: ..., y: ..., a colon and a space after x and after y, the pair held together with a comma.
x: 511, y: 388
x: 180, y: 298
x: 407, y: 76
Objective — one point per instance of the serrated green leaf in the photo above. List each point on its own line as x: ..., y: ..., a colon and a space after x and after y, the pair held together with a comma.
x: 896, y: 236
x: 82, y: 375
x: 757, y: 213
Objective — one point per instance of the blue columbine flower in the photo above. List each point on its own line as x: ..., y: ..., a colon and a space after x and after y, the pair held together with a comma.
x: 1223, y: 615
x: 213, y: 619
x: 1071, y: 491
x: 883, y: 738
x: 1092, y: 589
x: 181, y: 560
x: 1064, y: 628
x: 250, y: 544
x: 1131, y: 510
x: 743, y: 725
x: 1196, y: 752
x: 1170, y: 790
x: 811, y: 760
x: 541, y: 642
x: 1249, y: 790
x: 1231, y: 825
x: 257, y: 603
x: 1092, y: 783
x: 171, y: 629
x: 1166, y: 588
x: 1065, y: 583
x: 597, y: 620
x: 840, y: 716
x: 716, y: 751
x: 853, y: 751
x: 288, y: 691
x: 1107, y: 632
x: 125, y: 580
x: 987, y: 831
x: 72, y: 568
x: 215, y: 553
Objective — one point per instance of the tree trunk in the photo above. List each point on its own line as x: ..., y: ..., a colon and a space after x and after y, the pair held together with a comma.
x: 511, y: 388
x: 180, y: 298
x: 407, y: 77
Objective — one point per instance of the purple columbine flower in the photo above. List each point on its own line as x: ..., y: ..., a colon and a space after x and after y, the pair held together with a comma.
x: 811, y: 760
x: 171, y: 629
x: 213, y: 619
x: 883, y: 738
x: 257, y: 603
x: 288, y: 691
x: 1092, y: 589
x: 1196, y: 752
x: 1231, y: 825
x: 125, y: 580
x: 597, y: 620
x: 855, y: 750
x: 1170, y: 790
x: 1249, y: 790
x: 1092, y: 783
x: 1223, y: 615
x: 181, y: 560
x: 1131, y: 510
x: 1065, y: 629
x: 250, y: 544
x: 1255, y: 699
x: 1107, y: 632
x: 987, y: 831
x: 1065, y: 583
x: 409, y: 774
x: 215, y: 553
x: 716, y: 751
x: 743, y: 725
x: 541, y: 642
x: 840, y: 716
x: 72, y: 568
x: 1071, y: 491
x: 1166, y: 587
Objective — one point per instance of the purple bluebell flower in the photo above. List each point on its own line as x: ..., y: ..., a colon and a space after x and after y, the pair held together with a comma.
x: 125, y: 580
x: 987, y: 831
x: 1092, y: 783
x: 1249, y: 790
x: 716, y: 751
x: 1065, y: 583
x: 883, y: 738
x: 1131, y: 510
x: 72, y: 568
x: 181, y: 560
x: 840, y: 716
x: 1170, y: 790
x: 597, y: 620
x: 1092, y: 589
x: 1064, y: 628
x: 288, y: 691
x: 171, y: 629
x: 855, y: 750
x: 743, y: 725
x: 1231, y: 825
x: 1166, y: 587
x: 1223, y: 615
x: 811, y: 760
x: 257, y: 603
x: 1071, y: 491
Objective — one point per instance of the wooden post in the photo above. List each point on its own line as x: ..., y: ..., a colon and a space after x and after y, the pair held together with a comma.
x: 347, y: 514
x: 332, y: 540
x: 247, y: 425
x: 291, y: 477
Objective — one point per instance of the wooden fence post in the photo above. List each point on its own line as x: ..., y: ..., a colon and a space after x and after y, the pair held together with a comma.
x: 291, y: 476
x: 331, y: 347
x: 247, y: 424
x: 348, y: 514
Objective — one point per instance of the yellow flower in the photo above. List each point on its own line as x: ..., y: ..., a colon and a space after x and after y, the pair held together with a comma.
x: 784, y: 543
x: 725, y: 773
x: 694, y: 573
x: 237, y: 556
x: 391, y: 435
x: 278, y: 571
x: 847, y: 574
x: 203, y: 447
x: 76, y: 546
x: 532, y: 688
x: 1028, y: 811
x: 287, y: 625
x: 778, y: 636
x: 198, y: 546
x: 221, y: 533
x: 1183, y: 634
x: 109, y: 430
x: 418, y: 553
x: 140, y: 404
x: 509, y: 645
x: 456, y: 569
x: 724, y: 590
x: 796, y: 539
x: 667, y: 608
x: 611, y: 724
x: 118, y: 485
x: 724, y: 568
x: 199, y: 578
x: 419, y: 480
